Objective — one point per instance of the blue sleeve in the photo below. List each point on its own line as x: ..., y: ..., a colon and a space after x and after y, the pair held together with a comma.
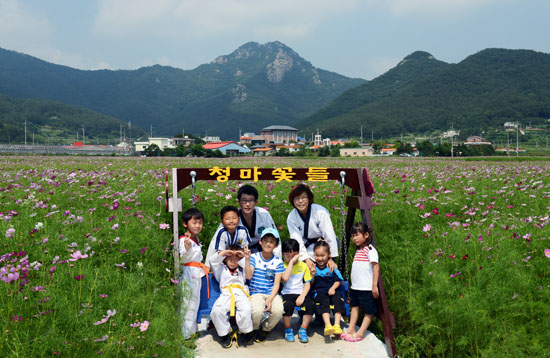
x: 280, y: 268
x: 252, y: 261
x: 338, y: 275
x: 218, y: 239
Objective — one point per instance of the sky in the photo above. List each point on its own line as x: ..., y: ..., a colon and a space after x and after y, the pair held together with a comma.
x: 355, y: 38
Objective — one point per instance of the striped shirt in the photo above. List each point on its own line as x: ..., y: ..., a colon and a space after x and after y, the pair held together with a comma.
x: 361, y: 269
x: 264, y: 273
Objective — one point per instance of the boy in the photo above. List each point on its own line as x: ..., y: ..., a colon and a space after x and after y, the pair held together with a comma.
x: 234, y: 297
x: 254, y: 218
x: 229, y: 233
x: 264, y: 270
x: 190, y: 252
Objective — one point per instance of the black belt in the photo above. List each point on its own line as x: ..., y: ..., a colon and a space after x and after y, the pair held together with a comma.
x: 310, y: 242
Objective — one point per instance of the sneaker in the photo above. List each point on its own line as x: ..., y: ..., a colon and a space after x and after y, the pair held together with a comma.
x: 329, y: 330
x: 250, y: 337
x: 261, y: 336
x: 227, y: 340
x: 337, y: 329
x: 289, y: 334
x: 244, y: 339
x: 302, y: 335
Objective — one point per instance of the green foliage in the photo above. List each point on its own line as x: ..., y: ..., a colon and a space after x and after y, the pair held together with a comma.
x: 207, y: 98
x: 53, y: 122
x: 152, y: 150
x: 421, y: 95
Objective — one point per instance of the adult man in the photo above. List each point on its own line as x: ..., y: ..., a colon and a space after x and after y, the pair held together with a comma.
x: 254, y: 218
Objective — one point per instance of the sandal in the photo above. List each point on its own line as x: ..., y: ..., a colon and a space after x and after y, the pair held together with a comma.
x: 352, y: 338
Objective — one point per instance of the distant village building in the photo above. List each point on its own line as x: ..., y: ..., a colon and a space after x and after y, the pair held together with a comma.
x: 252, y: 139
x: 388, y: 151
x: 227, y: 147
x: 162, y: 143
x: 209, y: 139
x: 186, y: 141
x: 280, y: 134
x: 356, y: 152
x: 450, y: 133
x: 509, y: 126
x: 476, y: 140
x: 263, y: 151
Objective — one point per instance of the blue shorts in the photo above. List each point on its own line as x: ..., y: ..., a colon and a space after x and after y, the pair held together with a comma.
x: 364, y: 299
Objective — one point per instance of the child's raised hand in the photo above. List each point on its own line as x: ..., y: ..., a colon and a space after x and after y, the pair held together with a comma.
x: 226, y: 253
x: 311, y: 266
x: 332, y: 265
x: 246, y: 252
x: 239, y: 254
x: 294, y: 260
x: 187, y: 244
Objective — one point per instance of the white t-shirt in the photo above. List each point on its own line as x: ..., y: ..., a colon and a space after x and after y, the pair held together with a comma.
x: 361, y: 269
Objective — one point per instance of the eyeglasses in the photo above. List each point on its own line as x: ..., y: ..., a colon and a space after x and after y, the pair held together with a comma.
x: 247, y: 201
x: 300, y: 198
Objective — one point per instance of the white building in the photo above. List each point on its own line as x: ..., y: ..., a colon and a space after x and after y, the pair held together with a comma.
x: 356, y: 152
x: 162, y: 143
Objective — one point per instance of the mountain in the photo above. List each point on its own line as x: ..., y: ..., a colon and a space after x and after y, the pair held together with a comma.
x: 55, y: 122
x: 253, y: 87
x: 422, y: 94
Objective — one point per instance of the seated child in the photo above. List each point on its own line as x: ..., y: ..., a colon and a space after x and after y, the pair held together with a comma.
x: 297, y: 282
x: 234, y: 298
x: 231, y: 233
x: 325, y: 289
x: 264, y: 270
x: 364, y: 282
x: 192, y: 269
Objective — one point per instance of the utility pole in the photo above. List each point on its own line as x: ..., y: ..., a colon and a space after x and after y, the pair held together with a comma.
x: 508, y: 144
x: 361, y: 135
x: 83, y: 136
x: 25, y: 132
x: 151, y: 135
x: 517, y: 139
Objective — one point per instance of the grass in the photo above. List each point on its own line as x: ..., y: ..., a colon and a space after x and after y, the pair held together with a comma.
x: 461, y: 247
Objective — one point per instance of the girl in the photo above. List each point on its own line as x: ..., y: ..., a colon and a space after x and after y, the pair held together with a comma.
x: 364, y: 281
x: 297, y: 283
x: 190, y: 251
x: 326, y: 289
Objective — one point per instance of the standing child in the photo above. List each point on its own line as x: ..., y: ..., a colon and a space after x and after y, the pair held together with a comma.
x: 230, y: 233
x: 326, y: 289
x: 234, y: 298
x: 192, y: 269
x: 264, y: 270
x: 364, y: 281
x: 297, y: 282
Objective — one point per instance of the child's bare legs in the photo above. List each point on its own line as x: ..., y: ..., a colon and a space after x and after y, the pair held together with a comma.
x: 353, y: 317
x: 306, y: 320
x: 337, y: 318
x: 286, y: 321
x: 326, y: 319
x: 363, y: 329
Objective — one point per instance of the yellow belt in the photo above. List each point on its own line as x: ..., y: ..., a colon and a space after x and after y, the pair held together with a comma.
x: 229, y: 287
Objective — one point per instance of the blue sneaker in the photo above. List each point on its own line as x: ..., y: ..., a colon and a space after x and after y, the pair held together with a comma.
x: 302, y: 335
x: 289, y: 335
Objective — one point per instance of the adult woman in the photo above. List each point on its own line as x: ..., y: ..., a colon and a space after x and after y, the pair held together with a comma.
x: 309, y: 222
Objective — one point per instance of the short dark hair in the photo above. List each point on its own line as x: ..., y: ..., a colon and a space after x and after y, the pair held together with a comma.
x: 321, y: 243
x: 234, y: 247
x: 191, y: 214
x: 270, y: 236
x: 299, y: 190
x: 362, y: 228
x: 290, y: 245
x: 227, y: 209
x: 247, y: 189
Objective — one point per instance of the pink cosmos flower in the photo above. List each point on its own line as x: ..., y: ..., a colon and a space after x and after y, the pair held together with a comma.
x: 547, y: 253
x: 164, y: 226
x: 144, y: 326
x: 10, y: 232
x: 134, y: 325
x: 427, y: 228
x: 75, y: 256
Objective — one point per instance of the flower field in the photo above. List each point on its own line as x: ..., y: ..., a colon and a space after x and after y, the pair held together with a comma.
x: 86, y: 265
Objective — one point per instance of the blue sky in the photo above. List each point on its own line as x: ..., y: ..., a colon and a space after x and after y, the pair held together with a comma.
x: 356, y: 38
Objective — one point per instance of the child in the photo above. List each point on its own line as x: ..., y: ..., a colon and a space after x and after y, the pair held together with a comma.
x: 297, y: 282
x: 364, y: 282
x: 264, y: 270
x: 234, y: 295
x: 192, y: 269
x: 325, y: 288
x: 230, y: 233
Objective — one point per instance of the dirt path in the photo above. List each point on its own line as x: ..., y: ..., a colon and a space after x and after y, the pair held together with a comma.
x: 276, y: 346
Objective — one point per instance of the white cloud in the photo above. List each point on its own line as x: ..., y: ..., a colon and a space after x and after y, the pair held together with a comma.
x: 20, y: 29
x: 195, y: 18
x: 431, y: 7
